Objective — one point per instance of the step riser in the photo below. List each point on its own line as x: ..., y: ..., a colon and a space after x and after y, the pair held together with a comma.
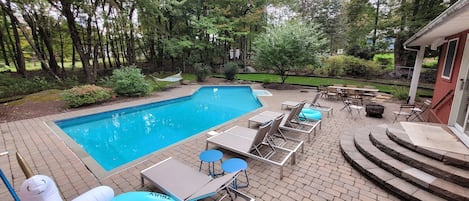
x: 453, y: 159
x: 392, y: 165
x: 352, y: 160
x: 449, y: 176
x: 410, y: 146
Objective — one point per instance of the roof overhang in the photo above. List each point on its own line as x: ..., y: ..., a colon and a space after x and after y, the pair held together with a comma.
x: 453, y: 20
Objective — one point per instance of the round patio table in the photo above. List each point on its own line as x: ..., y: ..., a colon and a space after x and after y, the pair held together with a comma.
x: 233, y: 165
x: 210, y: 156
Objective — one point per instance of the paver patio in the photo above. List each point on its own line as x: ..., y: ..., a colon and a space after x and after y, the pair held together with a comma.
x: 321, y: 172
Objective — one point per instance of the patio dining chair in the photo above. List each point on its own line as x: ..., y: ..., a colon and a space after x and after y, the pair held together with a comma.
x: 418, y: 111
x: 405, y: 110
x: 332, y: 92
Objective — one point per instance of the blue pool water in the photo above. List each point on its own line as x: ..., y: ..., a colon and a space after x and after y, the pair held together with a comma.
x: 117, y: 137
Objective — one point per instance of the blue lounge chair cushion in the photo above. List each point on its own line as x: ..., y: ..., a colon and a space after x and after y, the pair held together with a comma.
x: 142, y: 196
x: 307, y: 113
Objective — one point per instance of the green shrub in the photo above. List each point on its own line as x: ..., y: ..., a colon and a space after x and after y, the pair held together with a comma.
x: 384, y: 60
x: 230, y: 70
x: 361, y: 52
x: 85, y: 95
x: 351, y: 66
x: 129, y: 81
x: 400, y: 93
x: 106, y: 82
x: 202, y: 71
x: 334, y: 66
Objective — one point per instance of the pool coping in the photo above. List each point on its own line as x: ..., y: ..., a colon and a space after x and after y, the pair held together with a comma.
x: 95, y: 168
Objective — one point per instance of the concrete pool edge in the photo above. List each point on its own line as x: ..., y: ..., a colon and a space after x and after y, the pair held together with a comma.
x: 93, y: 166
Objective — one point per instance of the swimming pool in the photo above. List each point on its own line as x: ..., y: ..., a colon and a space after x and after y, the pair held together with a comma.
x: 117, y: 137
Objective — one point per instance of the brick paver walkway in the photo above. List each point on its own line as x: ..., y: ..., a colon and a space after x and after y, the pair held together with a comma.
x: 321, y: 173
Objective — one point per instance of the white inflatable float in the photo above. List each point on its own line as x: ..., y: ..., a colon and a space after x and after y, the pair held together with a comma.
x: 43, y: 188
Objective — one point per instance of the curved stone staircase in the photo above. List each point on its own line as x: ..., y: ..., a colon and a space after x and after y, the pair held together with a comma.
x: 388, y: 157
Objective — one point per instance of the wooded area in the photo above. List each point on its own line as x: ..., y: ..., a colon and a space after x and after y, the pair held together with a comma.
x: 170, y: 35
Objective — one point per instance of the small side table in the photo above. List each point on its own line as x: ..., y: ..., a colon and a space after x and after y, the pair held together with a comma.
x: 210, y: 156
x: 233, y: 165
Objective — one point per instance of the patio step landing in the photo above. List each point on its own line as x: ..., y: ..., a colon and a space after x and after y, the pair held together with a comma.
x: 411, y: 172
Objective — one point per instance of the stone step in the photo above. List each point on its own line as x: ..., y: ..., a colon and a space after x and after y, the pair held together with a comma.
x: 388, y: 181
x: 455, y: 159
x: 418, y: 177
x: 429, y: 165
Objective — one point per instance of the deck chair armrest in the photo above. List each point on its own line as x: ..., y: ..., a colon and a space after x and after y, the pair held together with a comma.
x: 215, y: 185
x: 408, y: 106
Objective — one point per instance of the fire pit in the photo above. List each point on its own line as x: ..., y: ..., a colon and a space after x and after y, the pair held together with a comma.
x: 374, y: 110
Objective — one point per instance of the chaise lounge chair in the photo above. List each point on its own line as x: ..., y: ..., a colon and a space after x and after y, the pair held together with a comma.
x: 183, y: 182
x: 251, y: 143
x: 275, y: 135
x: 293, y: 122
x: 276, y: 138
x: 313, y: 105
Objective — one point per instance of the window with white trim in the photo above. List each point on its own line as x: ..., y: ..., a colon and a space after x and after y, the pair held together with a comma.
x: 449, y: 59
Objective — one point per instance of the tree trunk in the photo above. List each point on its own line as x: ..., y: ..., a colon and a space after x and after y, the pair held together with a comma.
x: 153, y: 53
x: 31, y: 20
x: 19, y: 56
x: 108, y: 52
x: 67, y: 12
x: 90, y: 48
x: 10, y: 44
x: 3, y: 49
x: 46, y: 38
x: 116, y: 53
x: 398, y: 41
x: 40, y: 50
x: 74, y: 56
x: 95, y: 61
x: 122, y: 49
x: 131, y: 58
x: 64, y: 72
x: 101, y: 46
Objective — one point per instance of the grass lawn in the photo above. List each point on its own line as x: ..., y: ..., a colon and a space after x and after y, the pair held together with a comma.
x: 318, y: 81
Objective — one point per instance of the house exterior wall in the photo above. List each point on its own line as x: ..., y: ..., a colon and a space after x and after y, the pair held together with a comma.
x: 441, y: 103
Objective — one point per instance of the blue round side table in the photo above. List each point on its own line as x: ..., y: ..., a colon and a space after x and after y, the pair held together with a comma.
x: 233, y: 165
x: 210, y: 156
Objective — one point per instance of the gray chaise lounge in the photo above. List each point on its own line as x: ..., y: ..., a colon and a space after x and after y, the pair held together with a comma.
x: 251, y: 143
x: 183, y: 182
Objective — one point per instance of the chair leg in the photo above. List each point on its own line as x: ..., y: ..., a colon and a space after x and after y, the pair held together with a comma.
x: 395, y: 118
x: 247, y: 180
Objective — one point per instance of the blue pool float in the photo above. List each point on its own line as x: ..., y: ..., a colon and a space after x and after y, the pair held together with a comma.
x: 142, y: 196
x: 307, y: 113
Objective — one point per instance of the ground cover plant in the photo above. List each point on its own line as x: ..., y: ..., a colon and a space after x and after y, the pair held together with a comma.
x: 85, y: 95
